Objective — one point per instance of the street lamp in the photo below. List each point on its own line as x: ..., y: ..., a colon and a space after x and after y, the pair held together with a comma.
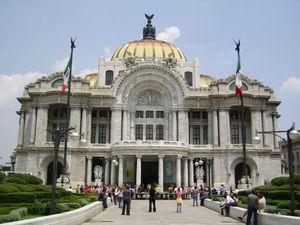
x: 291, y: 134
x: 57, y: 135
x: 209, y: 163
x: 199, y: 172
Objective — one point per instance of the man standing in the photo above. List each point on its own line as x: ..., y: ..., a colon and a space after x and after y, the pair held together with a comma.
x: 152, y: 199
x: 126, y: 201
x: 252, y: 207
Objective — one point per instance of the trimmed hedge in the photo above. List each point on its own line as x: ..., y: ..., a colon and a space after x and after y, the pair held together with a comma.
x: 8, y: 188
x: 2, y: 177
x: 14, y: 215
x: 17, y: 197
x: 20, y: 178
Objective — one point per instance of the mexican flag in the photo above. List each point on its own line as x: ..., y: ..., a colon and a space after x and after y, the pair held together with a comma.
x: 238, y: 81
x: 66, y: 77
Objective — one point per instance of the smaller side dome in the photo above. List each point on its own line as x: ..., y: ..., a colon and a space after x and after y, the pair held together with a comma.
x: 91, y: 78
x: 205, y: 80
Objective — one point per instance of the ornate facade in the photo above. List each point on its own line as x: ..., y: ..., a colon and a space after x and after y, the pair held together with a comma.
x: 149, y: 108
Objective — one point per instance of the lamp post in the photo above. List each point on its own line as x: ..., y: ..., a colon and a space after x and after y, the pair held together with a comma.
x: 57, y: 135
x: 199, y: 172
x: 291, y: 134
x: 209, y: 163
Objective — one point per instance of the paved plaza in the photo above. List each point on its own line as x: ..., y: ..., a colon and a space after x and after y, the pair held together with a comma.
x: 165, y: 215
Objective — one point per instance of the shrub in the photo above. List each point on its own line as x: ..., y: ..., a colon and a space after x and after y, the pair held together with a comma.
x: 20, y: 178
x: 278, y: 195
x: 284, y: 211
x: 278, y: 181
x: 271, y: 209
x: 8, y: 188
x: 14, y: 215
x: 284, y: 205
x: 60, y: 208
x: 83, y: 202
x: 72, y: 205
x: 244, y: 193
x: 297, y: 212
x: 2, y: 177
x: 43, y: 194
x: 17, y: 197
x: 38, y: 209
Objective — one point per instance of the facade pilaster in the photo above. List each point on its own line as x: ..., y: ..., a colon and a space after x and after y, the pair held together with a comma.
x: 41, y: 129
x: 33, y: 125
x: 183, y: 129
x: 224, y: 128
x: 126, y: 125
x: 116, y: 125
x: 174, y: 125
x: 112, y: 174
x: 89, y: 125
x: 21, y: 128
x: 84, y: 124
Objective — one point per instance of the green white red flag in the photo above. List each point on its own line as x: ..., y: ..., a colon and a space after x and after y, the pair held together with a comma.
x: 66, y: 76
x: 238, y: 81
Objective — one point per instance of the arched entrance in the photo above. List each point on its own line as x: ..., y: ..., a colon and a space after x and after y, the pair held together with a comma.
x: 50, y: 172
x: 239, y: 172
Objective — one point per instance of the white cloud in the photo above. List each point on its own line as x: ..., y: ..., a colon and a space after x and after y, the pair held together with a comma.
x: 169, y: 35
x: 12, y: 86
x: 87, y: 71
x: 291, y: 85
x: 60, y: 65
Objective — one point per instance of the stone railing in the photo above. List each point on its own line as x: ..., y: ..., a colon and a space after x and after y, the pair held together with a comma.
x: 263, y: 218
x: 150, y: 143
x: 74, y: 217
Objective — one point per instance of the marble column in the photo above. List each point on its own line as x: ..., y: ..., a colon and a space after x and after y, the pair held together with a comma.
x: 89, y: 170
x: 224, y: 128
x: 161, y: 172
x: 89, y: 125
x: 106, y: 175
x: 185, y: 172
x: 83, y: 124
x: 33, y: 125
x: 120, y: 177
x: 41, y: 129
x: 116, y: 125
x: 210, y: 126
x: 112, y: 174
x: 125, y: 125
x: 174, y: 126
x: 138, y: 170
x: 178, y: 171
x: 191, y: 168
x: 132, y: 134
x: 21, y: 128
x: 215, y: 128
x: 183, y: 129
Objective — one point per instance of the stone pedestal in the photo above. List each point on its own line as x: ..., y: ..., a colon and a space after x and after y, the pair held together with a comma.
x: 245, y: 183
x: 98, y: 182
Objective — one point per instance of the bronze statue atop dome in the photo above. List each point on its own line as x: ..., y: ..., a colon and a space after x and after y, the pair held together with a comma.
x: 149, y: 31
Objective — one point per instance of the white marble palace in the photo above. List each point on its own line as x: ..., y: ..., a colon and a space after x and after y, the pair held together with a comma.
x: 151, y: 109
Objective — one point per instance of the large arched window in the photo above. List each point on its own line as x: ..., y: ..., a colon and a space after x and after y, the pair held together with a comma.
x: 189, y: 78
x: 232, y: 86
x: 109, y: 76
x: 57, y: 83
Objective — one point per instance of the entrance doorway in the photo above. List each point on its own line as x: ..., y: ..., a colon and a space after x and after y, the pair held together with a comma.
x: 50, y: 172
x: 149, y: 172
x: 239, y: 172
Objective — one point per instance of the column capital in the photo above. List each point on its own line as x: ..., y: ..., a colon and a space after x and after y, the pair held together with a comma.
x: 179, y: 157
x: 89, y: 157
x: 139, y: 156
x: 161, y: 156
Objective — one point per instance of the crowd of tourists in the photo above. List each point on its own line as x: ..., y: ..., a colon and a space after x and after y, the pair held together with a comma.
x: 122, y: 195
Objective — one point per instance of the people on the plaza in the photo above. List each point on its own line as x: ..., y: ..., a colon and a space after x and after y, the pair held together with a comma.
x: 119, y: 195
x: 202, y: 196
x: 179, y: 199
x: 222, y: 190
x: 152, y: 199
x: 77, y: 190
x: 214, y: 191
x: 126, y: 200
x: 103, y: 198
x: 157, y: 191
x: 195, y: 194
x: 261, y: 203
x: 252, y: 207
x: 225, y: 205
x: 81, y: 189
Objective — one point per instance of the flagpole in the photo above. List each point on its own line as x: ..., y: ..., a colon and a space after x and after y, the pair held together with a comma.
x: 68, y: 113
x: 245, y: 172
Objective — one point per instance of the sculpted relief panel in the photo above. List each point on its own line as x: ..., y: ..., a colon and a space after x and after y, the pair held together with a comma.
x: 149, y: 98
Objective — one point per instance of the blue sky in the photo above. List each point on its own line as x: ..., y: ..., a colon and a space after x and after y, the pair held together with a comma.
x: 35, y: 38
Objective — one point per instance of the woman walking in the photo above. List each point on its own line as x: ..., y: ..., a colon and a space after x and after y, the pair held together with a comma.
x: 179, y: 199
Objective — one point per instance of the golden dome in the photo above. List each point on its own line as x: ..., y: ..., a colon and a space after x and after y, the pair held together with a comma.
x: 149, y: 49
x: 92, y: 78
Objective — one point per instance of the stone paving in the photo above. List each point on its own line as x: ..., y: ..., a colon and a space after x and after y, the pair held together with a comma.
x: 165, y: 215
